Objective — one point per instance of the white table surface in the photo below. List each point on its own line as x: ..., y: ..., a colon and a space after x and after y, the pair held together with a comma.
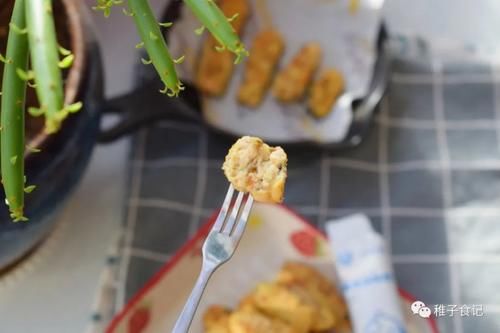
x: 55, y: 294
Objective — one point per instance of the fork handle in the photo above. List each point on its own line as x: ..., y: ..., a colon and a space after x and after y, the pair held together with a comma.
x: 187, y: 314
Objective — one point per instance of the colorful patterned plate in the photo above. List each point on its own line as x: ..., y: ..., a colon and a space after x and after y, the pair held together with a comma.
x: 274, y: 235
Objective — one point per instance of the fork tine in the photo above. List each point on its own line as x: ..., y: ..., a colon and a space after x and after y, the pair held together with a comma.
x: 223, y: 211
x: 240, y: 227
x: 218, y: 248
x: 234, y: 214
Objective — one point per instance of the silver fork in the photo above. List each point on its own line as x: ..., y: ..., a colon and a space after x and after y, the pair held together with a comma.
x: 218, y: 248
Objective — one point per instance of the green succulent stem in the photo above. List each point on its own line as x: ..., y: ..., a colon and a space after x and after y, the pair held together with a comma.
x: 44, y: 52
x: 219, y: 25
x: 155, y: 45
x: 12, y: 115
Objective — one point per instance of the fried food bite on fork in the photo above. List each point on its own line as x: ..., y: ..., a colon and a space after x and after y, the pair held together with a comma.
x: 254, y: 167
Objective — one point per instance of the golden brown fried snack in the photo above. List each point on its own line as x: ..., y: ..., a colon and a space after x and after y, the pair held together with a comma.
x: 247, y: 303
x: 333, y: 309
x: 298, y: 272
x: 344, y: 326
x: 253, y: 166
x: 299, y: 300
x: 325, y: 91
x: 240, y: 7
x: 265, y: 53
x: 292, y: 306
x: 291, y: 83
x: 215, y: 68
x: 216, y: 319
x: 256, y: 322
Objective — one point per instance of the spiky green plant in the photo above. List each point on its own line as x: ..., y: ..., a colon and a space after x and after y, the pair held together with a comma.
x: 47, y: 65
x: 32, y: 35
x: 219, y: 25
x: 153, y: 42
x: 12, y: 116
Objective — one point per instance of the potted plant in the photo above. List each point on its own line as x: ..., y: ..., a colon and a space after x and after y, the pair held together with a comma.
x: 50, y: 71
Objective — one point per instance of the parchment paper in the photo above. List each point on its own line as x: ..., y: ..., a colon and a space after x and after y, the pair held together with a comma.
x: 346, y: 30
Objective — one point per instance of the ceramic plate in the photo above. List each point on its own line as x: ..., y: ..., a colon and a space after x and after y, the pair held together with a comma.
x: 270, y: 240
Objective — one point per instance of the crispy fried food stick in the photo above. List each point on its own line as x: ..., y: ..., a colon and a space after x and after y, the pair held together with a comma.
x: 215, y: 67
x: 325, y: 91
x: 291, y: 83
x: 267, y: 49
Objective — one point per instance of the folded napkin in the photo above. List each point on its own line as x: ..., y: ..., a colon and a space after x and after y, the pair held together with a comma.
x: 366, y: 275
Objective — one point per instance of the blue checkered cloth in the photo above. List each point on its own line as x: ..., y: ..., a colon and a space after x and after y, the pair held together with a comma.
x: 427, y: 174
